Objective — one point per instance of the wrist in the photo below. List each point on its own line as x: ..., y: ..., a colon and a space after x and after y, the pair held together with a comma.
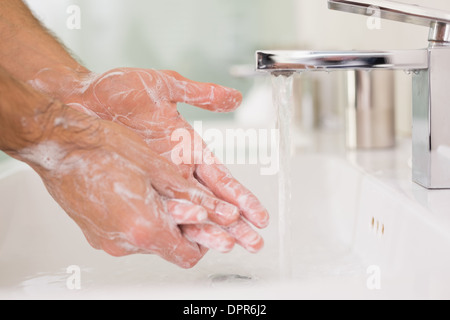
x: 54, y: 133
x: 57, y: 132
x: 19, y: 108
x: 31, y: 123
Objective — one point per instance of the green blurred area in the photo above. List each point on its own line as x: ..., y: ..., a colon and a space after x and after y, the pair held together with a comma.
x: 200, y: 39
x: 3, y: 156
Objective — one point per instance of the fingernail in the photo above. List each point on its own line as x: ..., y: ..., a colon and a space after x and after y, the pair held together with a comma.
x: 264, y: 220
x: 252, y: 243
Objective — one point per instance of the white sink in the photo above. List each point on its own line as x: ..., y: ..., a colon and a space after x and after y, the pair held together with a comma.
x: 361, y: 230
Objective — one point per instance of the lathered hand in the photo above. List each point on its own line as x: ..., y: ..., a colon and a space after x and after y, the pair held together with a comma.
x: 126, y: 198
x: 146, y: 101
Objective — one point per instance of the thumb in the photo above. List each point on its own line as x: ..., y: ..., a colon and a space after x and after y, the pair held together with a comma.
x: 207, y: 96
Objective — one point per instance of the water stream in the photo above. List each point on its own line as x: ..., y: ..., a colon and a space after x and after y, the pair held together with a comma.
x: 282, y: 87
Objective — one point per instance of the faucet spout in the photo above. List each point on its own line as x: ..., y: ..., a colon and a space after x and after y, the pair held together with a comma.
x: 299, y: 61
x: 431, y: 95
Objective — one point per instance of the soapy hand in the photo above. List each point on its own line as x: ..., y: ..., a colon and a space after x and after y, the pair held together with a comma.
x: 146, y: 101
x: 125, y: 198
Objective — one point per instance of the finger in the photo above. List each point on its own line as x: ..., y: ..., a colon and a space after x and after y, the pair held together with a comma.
x: 171, y: 245
x: 217, y: 178
x: 186, y: 254
x: 207, y: 96
x: 153, y: 231
x: 219, y: 211
x: 166, y: 179
x: 210, y: 236
x: 179, y: 257
x: 184, y: 212
x: 245, y: 236
x: 83, y: 109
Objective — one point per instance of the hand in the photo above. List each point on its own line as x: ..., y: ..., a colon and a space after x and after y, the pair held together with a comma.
x: 126, y: 198
x: 145, y: 101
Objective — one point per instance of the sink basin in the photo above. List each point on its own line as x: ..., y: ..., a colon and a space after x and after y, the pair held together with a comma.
x: 360, y: 230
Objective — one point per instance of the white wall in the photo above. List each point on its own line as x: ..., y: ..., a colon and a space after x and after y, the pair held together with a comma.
x: 324, y: 29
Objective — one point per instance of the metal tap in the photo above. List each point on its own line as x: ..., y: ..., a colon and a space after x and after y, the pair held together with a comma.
x: 430, y: 69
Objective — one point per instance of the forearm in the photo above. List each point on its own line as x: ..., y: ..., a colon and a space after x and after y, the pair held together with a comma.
x: 27, y: 49
x: 29, y: 119
x: 20, y: 110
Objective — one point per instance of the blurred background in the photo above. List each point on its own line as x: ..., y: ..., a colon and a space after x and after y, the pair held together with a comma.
x: 200, y: 39
x: 205, y: 39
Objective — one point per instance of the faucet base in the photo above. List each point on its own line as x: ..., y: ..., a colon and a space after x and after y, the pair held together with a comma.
x: 431, y: 122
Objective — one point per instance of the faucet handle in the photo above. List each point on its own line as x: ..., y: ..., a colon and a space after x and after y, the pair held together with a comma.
x: 437, y: 20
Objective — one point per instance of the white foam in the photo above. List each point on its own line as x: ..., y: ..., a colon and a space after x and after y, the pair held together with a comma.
x: 47, y: 154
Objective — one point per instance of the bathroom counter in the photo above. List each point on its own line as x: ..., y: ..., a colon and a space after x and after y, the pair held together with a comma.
x: 360, y: 230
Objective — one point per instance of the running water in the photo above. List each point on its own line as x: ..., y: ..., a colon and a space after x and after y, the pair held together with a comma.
x: 282, y: 86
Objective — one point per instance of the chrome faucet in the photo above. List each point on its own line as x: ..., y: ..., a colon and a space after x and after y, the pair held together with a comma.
x: 430, y: 69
